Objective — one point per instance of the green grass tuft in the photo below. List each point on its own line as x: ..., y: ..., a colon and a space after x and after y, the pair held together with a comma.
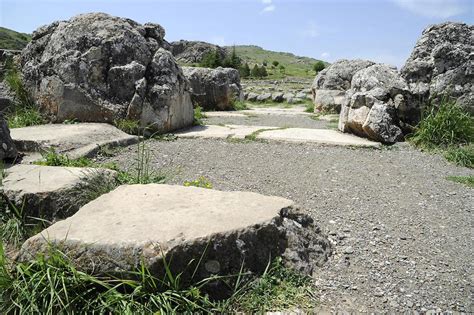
x: 444, y: 126
x: 52, y: 158
x: 461, y: 155
x: 466, y: 180
x: 239, y: 105
x: 129, y: 126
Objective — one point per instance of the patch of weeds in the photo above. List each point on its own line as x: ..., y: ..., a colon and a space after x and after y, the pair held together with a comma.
x: 52, y: 158
x: 444, y: 126
x: 24, y: 111
x: 239, y: 105
x: 201, y: 182
x: 461, y: 155
x: 309, y: 107
x: 466, y: 180
x: 71, y: 121
x: 333, y: 124
x: 278, y: 289
x: 129, y: 126
x: 447, y: 129
x: 165, y: 137
x: 198, y: 116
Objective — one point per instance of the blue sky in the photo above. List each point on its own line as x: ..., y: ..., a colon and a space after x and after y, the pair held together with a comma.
x: 380, y: 30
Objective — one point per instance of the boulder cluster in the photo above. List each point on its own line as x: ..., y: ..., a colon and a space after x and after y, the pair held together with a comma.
x: 378, y: 102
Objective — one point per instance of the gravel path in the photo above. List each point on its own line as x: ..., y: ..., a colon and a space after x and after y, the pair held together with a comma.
x: 301, y: 121
x: 402, y: 232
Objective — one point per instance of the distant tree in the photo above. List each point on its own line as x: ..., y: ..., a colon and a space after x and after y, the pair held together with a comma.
x: 255, y: 71
x: 211, y: 60
x: 319, y: 66
x: 244, y: 70
x: 232, y: 61
x: 275, y: 63
x: 262, y: 72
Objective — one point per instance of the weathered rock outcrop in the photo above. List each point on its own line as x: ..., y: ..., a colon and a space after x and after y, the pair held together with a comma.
x: 194, y: 51
x: 98, y: 68
x: 223, y: 231
x: 329, y: 86
x: 7, y: 147
x: 442, y: 64
x: 7, y: 97
x: 214, y: 89
x: 375, y: 103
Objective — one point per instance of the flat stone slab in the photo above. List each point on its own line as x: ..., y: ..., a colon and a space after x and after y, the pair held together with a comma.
x: 74, y: 140
x: 279, y: 111
x: 323, y: 136
x: 224, y: 114
x: 148, y: 223
x: 51, y: 192
x: 220, y: 132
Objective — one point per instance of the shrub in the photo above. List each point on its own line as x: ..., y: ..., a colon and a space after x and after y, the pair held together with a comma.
x: 238, y: 105
x: 319, y: 66
x: 244, y: 70
x: 275, y: 63
x: 212, y: 60
x: 198, y: 116
x: 444, y: 126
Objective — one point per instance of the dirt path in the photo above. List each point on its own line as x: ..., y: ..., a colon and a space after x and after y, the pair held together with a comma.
x: 402, y: 232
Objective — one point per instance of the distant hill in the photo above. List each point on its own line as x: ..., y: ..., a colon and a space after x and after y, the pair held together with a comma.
x: 13, y: 40
x: 294, y: 65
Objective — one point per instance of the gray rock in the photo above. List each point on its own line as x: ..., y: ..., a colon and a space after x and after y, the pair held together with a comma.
x: 214, y: 89
x: 441, y: 64
x: 74, y: 140
x: 264, y: 97
x: 330, y: 84
x: 53, y: 193
x: 7, y: 147
x: 277, y: 97
x: 120, y: 230
x: 7, y: 97
x: 99, y: 68
x: 288, y: 96
x: 252, y: 97
x: 192, y: 52
x: 375, y: 104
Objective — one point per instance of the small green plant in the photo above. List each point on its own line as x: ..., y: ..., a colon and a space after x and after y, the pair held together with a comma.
x: 466, y: 180
x: 128, y: 125
x: 198, y: 116
x: 24, y: 117
x: 202, y: 182
x: 52, y: 158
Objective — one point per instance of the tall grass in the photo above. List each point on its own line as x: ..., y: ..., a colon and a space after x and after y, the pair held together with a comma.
x: 449, y: 129
x: 443, y: 126
x: 198, y: 116
x: 50, y: 284
x: 24, y: 112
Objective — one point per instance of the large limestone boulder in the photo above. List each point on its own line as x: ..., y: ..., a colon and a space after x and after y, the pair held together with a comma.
x: 442, y: 64
x: 98, y: 68
x: 7, y: 147
x: 329, y: 86
x: 375, y: 103
x: 192, y: 52
x: 53, y: 193
x: 224, y: 231
x: 214, y: 89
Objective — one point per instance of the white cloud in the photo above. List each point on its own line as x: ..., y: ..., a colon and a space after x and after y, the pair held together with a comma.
x: 266, y: 1
x: 325, y: 55
x: 311, y: 30
x: 268, y: 8
x: 434, y: 8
